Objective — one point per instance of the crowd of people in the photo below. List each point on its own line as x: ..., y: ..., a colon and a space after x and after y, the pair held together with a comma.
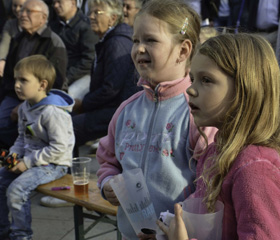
x: 186, y: 90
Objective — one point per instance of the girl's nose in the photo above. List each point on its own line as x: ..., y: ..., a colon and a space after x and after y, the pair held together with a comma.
x: 141, y: 48
x: 192, y: 92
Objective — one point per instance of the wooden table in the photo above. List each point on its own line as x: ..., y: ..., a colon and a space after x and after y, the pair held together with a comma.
x: 92, y: 202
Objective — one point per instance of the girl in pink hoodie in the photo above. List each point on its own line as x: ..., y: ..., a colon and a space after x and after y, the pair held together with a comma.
x: 235, y: 87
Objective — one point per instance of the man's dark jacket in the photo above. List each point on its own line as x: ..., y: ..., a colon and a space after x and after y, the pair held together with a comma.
x: 47, y: 44
x: 79, y: 41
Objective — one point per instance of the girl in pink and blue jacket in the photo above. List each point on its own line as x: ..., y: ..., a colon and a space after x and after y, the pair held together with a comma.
x: 153, y: 130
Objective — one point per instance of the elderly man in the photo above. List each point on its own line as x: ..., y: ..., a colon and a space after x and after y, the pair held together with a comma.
x: 74, y: 29
x: 36, y: 38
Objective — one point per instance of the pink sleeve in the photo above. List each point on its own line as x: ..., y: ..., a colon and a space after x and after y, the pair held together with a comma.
x: 105, y: 155
x: 256, y: 195
x: 109, y: 164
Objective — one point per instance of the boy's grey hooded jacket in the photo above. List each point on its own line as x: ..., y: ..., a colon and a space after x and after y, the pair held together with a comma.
x: 45, y: 131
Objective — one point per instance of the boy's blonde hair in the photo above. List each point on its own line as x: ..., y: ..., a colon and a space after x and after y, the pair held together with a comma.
x: 40, y: 67
x: 174, y: 13
x: 254, y: 116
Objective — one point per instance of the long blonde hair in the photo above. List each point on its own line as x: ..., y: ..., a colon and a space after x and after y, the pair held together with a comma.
x: 254, y: 116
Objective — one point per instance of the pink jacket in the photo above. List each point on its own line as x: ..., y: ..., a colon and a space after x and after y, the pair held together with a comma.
x: 250, y: 193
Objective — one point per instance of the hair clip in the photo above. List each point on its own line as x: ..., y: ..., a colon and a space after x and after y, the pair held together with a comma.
x: 184, y: 28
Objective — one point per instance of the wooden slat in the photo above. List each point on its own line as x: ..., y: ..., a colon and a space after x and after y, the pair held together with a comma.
x: 93, y: 201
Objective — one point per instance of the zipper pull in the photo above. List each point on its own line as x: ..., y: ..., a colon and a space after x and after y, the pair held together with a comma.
x: 156, y: 94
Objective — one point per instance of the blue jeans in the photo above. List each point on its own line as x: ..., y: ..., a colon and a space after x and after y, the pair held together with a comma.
x: 15, y: 190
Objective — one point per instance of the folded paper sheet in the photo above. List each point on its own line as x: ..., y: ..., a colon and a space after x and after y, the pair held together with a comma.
x: 132, y: 192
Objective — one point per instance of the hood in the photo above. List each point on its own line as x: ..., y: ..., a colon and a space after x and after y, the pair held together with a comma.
x: 57, y: 98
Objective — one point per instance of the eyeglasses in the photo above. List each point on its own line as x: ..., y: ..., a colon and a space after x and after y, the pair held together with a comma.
x: 128, y: 7
x: 96, y: 13
x: 30, y: 11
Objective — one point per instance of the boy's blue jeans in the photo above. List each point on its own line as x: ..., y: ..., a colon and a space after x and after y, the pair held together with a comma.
x: 15, y: 190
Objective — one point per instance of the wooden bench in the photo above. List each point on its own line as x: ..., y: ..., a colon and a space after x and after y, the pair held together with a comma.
x: 92, y: 202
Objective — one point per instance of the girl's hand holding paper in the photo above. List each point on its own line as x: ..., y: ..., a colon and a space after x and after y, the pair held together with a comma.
x: 110, y: 194
x: 176, y: 229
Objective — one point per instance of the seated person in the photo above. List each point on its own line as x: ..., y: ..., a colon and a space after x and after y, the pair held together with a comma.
x: 44, y: 145
x: 5, y: 12
x: 113, y: 77
x: 36, y: 38
x: 10, y: 30
x: 74, y: 29
x: 130, y: 9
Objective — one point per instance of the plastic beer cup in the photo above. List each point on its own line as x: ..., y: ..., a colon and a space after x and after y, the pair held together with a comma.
x: 81, y: 172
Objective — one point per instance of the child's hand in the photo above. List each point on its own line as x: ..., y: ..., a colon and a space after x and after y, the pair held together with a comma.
x: 110, y: 195
x: 177, y: 229
x: 19, y: 168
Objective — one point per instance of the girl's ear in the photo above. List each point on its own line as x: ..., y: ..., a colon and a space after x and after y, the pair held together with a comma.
x: 43, y: 85
x: 186, y: 49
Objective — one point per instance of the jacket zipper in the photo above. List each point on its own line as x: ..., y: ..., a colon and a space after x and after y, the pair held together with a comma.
x: 146, y: 148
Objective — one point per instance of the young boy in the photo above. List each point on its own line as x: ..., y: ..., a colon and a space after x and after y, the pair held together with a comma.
x: 43, y: 148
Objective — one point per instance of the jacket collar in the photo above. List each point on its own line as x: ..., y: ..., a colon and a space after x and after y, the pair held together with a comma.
x: 44, y: 32
x: 165, y: 90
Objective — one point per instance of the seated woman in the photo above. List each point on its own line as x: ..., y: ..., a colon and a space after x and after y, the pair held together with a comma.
x: 113, y: 77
